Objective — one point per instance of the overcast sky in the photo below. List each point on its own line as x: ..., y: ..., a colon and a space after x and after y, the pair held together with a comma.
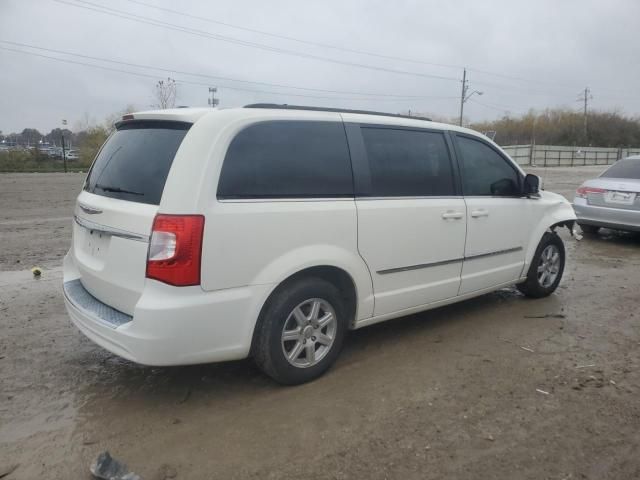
x: 521, y: 55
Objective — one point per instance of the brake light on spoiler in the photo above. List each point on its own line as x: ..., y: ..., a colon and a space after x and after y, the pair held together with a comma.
x: 175, y: 249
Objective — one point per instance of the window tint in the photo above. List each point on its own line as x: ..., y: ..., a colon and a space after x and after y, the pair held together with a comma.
x: 623, y: 169
x: 484, y: 171
x: 135, y: 161
x: 408, y: 162
x: 287, y: 159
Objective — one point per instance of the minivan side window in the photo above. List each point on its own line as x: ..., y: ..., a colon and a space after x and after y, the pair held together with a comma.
x: 485, y: 172
x: 406, y: 162
x: 279, y: 159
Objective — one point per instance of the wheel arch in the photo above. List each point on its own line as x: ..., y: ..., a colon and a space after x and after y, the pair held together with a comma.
x: 333, y: 274
x: 558, y: 214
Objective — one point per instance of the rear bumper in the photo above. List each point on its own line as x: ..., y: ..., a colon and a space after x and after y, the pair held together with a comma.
x: 171, y: 325
x: 615, y: 218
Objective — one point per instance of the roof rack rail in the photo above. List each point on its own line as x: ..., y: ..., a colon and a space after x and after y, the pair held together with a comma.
x: 285, y: 106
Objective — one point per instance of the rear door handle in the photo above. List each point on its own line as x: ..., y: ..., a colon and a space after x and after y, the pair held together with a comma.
x: 452, y: 215
x: 481, y: 212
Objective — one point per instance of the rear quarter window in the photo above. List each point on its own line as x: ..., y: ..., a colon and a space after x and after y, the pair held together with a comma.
x: 134, y: 162
x: 280, y: 159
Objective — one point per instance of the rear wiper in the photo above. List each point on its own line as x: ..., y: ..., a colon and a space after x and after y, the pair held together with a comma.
x: 106, y: 188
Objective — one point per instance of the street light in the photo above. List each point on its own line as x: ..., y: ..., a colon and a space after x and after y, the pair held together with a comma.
x: 475, y: 91
x: 464, y: 100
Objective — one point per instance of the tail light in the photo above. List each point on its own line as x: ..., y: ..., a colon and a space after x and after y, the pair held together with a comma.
x: 175, y: 249
x: 582, y: 192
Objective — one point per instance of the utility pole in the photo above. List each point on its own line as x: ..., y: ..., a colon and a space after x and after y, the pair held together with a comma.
x: 585, y: 97
x: 464, y: 96
x: 213, y: 101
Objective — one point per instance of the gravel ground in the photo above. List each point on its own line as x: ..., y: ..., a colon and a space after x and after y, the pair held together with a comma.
x: 497, y: 387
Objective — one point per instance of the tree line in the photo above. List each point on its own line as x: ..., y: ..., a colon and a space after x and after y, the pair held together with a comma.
x: 550, y: 127
x: 565, y: 127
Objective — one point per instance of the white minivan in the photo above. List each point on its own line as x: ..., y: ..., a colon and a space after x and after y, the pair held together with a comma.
x: 204, y: 235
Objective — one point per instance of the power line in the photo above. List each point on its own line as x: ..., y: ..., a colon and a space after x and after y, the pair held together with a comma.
x: 500, y: 108
x: 294, y: 39
x: 344, y: 49
x: 188, y: 82
x: 167, y: 25
x: 215, y: 77
x: 224, y: 38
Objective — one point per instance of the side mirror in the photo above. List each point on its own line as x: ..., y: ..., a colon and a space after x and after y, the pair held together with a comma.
x: 531, y: 185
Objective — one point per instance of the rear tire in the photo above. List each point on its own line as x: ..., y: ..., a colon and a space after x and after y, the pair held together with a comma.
x: 547, y: 267
x: 301, y: 331
x: 589, y: 229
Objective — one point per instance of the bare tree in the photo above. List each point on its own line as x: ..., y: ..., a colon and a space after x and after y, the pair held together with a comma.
x: 165, y: 93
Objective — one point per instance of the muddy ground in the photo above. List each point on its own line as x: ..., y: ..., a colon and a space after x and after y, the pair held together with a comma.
x: 498, y: 387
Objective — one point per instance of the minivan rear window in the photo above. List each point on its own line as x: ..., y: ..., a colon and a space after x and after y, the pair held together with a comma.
x: 624, y: 169
x: 134, y: 162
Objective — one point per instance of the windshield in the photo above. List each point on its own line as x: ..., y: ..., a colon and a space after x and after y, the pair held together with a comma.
x: 135, y: 161
x: 624, y: 169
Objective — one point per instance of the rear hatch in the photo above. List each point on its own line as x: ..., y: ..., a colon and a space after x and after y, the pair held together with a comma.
x: 114, y: 212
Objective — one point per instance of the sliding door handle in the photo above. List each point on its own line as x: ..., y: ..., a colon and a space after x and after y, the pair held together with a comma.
x: 450, y: 215
x: 481, y: 212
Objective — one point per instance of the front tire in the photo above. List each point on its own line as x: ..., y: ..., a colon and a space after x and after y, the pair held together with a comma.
x: 547, y: 267
x: 301, y: 331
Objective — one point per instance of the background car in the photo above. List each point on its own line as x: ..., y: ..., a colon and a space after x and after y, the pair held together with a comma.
x: 72, y: 155
x: 612, y: 200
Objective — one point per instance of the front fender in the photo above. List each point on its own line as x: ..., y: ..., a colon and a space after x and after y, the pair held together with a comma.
x: 556, y: 210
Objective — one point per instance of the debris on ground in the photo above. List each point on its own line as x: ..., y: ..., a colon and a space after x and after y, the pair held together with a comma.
x: 6, y: 470
x: 108, y: 468
x: 527, y: 349
x: 542, y: 391
x: 166, y: 472
x: 586, y: 366
x: 547, y: 315
x: 37, y: 271
x: 590, y: 381
x: 89, y: 441
x: 185, y: 397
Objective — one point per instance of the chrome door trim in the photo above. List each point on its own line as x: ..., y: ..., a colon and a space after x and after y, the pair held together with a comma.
x: 114, y: 232
x: 491, y: 254
x: 447, y: 262
x: 419, y: 266
x: 413, y: 197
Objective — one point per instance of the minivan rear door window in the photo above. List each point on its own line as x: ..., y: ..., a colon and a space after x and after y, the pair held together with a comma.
x: 408, y: 162
x: 134, y: 162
